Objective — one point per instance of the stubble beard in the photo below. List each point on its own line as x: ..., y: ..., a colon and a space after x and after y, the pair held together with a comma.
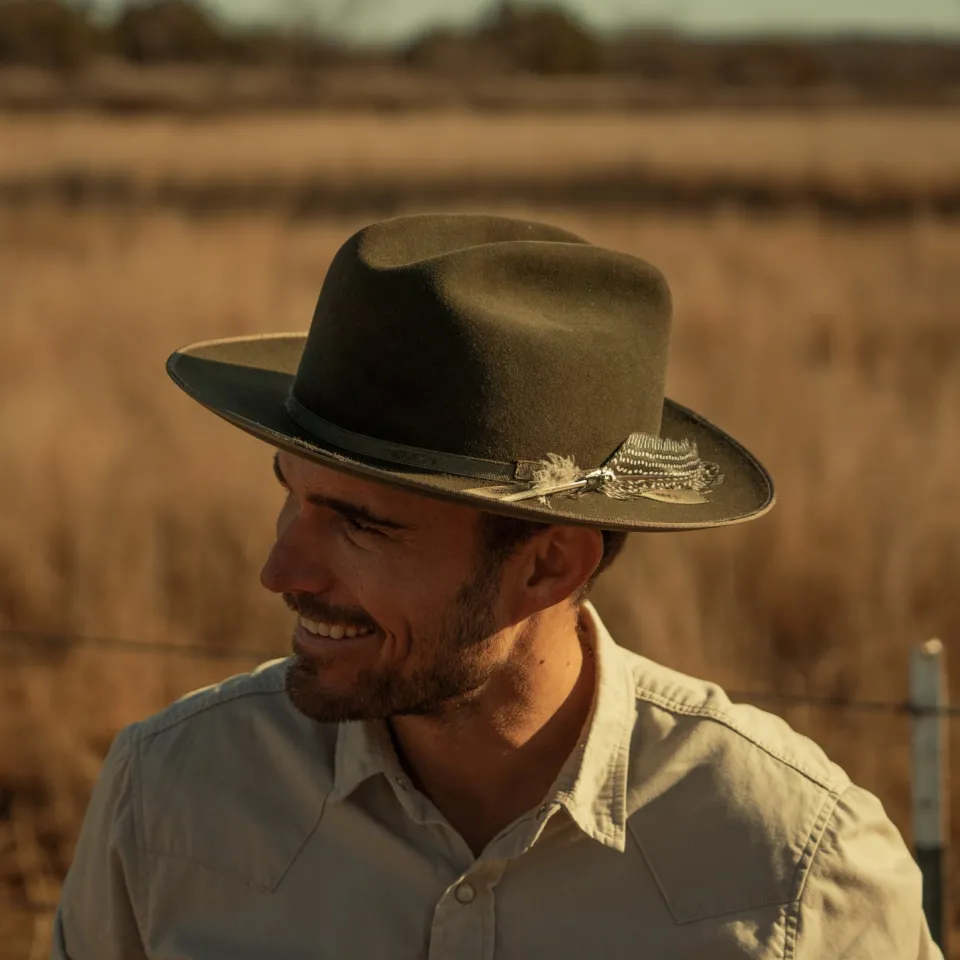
x: 456, y: 670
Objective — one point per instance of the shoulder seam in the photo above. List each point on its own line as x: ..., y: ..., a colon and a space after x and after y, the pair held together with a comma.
x: 717, y: 716
x: 177, y: 713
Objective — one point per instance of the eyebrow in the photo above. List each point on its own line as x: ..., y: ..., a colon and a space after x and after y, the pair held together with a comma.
x: 352, y: 511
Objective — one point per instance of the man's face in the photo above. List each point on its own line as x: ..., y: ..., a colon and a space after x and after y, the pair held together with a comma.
x: 405, y: 573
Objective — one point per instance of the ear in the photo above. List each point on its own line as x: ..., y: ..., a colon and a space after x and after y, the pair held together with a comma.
x: 553, y: 567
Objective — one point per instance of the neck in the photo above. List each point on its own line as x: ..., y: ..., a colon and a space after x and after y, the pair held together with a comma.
x: 487, y: 762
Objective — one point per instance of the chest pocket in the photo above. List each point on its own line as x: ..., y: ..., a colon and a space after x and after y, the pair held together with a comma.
x: 719, y: 845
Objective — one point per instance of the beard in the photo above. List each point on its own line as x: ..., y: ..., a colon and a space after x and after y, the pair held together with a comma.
x: 457, y: 668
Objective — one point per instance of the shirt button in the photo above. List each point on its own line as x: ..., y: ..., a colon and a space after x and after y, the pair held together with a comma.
x: 465, y: 893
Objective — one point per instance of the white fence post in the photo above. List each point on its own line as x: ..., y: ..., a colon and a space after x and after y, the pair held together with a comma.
x: 928, y: 700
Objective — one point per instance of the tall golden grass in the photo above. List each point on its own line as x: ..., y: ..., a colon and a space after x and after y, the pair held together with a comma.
x: 833, y: 353
x: 850, y: 149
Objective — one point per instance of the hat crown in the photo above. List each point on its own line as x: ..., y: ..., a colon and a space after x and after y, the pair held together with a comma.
x: 487, y: 337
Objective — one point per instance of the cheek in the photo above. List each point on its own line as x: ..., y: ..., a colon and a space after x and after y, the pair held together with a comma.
x: 404, y: 596
x: 384, y: 590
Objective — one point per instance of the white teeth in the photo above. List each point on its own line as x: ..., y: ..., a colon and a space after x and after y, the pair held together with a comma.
x: 335, y: 631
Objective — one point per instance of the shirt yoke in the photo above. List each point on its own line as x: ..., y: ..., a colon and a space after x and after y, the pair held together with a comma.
x: 267, y: 678
x: 686, y: 696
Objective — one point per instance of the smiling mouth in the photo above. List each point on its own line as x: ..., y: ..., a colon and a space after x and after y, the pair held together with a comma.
x: 335, y: 631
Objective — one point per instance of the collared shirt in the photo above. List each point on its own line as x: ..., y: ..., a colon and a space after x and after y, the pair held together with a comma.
x: 230, y: 827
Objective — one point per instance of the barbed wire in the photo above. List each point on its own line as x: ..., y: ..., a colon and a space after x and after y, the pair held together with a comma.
x: 875, y: 706
x: 27, y: 637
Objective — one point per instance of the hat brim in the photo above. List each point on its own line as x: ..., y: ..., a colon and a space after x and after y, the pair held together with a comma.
x: 245, y: 380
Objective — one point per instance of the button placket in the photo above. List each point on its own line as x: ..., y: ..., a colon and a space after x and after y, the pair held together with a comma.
x: 462, y: 926
x: 464, y: 921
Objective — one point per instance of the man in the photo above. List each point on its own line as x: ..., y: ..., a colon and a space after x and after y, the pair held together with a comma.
x: 457, y: 761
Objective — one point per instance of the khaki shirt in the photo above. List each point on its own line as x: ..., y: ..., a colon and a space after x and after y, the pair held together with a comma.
x: 230, y: 827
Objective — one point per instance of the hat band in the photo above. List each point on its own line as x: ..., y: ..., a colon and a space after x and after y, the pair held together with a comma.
x: 474, y: 468
x: 642, y: 466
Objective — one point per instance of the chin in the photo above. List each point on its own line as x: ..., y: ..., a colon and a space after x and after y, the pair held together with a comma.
x: 316, y: 698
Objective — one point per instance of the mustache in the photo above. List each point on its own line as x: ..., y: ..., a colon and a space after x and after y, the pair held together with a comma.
x: 312, y: 608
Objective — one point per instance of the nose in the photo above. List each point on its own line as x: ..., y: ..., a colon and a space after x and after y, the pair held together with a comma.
x: 295, y: 563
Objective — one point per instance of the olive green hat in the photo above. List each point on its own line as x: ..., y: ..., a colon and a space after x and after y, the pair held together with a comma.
x: 500, y: 363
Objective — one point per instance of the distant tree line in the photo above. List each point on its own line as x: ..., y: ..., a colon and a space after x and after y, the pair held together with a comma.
x: 539, y: 40
x: 58, y: 35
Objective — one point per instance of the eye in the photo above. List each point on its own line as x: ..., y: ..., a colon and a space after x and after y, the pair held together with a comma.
x: 359, y: 527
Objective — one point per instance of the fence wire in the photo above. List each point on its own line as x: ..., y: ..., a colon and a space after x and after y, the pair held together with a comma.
x: 26, y: 638
x: 23, y: 638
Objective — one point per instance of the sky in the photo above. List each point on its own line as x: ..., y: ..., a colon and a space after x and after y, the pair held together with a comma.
x: 378, y: 21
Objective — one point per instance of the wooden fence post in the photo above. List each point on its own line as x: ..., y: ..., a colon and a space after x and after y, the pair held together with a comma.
x: 928, y: 700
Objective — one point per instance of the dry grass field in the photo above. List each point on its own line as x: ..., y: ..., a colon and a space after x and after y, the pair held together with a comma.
x: 855, y: 149
x: 832, y: 351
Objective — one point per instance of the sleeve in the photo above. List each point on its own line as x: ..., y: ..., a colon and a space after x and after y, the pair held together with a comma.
x: 97, y: 917
x: 862, y: 896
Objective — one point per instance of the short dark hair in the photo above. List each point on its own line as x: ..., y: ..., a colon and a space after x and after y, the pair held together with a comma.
x: 502, y: 535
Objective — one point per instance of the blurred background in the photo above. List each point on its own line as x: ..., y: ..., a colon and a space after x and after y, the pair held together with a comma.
x: 178, y: 171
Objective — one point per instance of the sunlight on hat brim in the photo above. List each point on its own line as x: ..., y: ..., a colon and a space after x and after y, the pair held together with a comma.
x: 246, y: 379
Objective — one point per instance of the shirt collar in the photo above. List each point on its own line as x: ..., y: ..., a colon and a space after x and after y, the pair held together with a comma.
x: 591, y: 785
x: 361, y: 754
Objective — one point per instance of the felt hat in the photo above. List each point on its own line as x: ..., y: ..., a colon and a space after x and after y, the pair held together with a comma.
x: 500, y: 363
